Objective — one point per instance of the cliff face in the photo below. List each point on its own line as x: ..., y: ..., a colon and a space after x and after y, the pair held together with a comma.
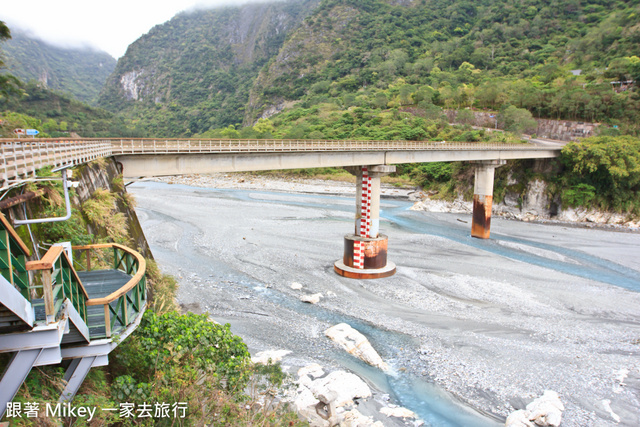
x: 106, y: 176
x: 97, y: 178
x: 201, y: 64
x: 306, y: 51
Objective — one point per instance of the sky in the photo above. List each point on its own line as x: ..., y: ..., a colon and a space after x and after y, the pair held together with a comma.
x: 109, y: 25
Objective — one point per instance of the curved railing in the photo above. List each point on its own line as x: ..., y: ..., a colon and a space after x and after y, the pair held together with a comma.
x: 121, y: 306
x: 59, y: 282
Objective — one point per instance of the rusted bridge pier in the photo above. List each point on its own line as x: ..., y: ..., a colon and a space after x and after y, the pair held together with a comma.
x: 365, y: 251
x: 483, y: 197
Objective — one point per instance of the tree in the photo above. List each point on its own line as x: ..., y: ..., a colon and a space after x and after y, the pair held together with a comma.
x: 517, y: 120
x: 263, y: 126
x: 610, y: 165
x: 466, y: 117
x: 8, y: 83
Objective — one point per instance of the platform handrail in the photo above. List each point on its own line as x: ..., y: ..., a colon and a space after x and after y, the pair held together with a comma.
x: 13, y: 257
x: 131, y: 295
x: 59, y: 281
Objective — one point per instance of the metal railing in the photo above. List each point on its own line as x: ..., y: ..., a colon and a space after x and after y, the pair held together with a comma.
x: 121, y: 306
x: 182, y: 146
x: 59, y: 282
x: 23, y: 158
x: 13, y: 258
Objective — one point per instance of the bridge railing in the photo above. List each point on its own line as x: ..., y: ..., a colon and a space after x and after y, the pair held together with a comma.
x: 23, y: 158
x: 182, y: 146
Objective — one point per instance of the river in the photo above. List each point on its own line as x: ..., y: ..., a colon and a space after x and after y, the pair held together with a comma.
x: 473, y: 329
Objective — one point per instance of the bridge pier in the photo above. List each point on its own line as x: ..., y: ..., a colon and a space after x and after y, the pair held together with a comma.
x: 365, y: 251
x: 483, y: 197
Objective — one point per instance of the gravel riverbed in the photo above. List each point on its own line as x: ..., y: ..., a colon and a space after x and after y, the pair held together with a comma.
x: 491, y: 323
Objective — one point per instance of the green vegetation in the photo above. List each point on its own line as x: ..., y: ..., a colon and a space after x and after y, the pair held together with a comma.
x: 8, y: 83
x: 172, y: 358
x: 194, y: 72
x: 79, y: 73
x: 196, y: 76
x: 483, y: 54
x: 603, y: 172
x: 58, y: 116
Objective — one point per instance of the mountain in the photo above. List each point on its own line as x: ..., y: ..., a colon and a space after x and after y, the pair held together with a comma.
x: 195, y: 71
x: 308, y: 64
x: 80, y: 73
x: 461, y: 53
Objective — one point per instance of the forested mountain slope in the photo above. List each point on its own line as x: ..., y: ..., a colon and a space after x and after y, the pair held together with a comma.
x: 210, y: 69
x: 195, y: 71
x: 457, y: 54
x: 80, y: 73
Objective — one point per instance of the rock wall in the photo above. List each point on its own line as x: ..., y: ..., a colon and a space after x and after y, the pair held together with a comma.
x: 534, y: 204
x: 563, y: 130
x: 98, y: 174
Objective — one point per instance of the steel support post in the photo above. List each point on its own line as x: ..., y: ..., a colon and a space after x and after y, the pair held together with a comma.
x: 483, y: 197
x: 15, y: 374
x: 74, y: 376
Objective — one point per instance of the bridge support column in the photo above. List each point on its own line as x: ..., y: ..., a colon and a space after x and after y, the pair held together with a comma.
x: 483, y: 197
x: 365, y: 251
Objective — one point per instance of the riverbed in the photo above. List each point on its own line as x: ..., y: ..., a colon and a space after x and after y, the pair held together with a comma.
x: 473, y: 329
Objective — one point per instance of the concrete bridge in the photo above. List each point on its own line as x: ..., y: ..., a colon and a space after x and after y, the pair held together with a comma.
x: 365, y: 253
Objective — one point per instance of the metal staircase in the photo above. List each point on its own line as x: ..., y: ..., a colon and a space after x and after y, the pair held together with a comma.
x: 49, y: 312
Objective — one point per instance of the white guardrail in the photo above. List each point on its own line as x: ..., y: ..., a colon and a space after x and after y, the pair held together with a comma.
x: 21, y: 158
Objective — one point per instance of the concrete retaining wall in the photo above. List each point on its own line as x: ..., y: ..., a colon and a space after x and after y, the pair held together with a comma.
x: 564, y: 130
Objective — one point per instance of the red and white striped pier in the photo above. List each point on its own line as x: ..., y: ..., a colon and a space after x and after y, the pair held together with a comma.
x: 365, y: 251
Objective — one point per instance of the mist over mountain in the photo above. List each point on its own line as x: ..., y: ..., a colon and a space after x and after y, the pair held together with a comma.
x: 78, y: 72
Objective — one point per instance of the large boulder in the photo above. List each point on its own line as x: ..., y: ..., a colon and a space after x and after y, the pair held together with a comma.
x: 273, y: 356
x: 356, y: 344
x: 398, y: 412
x: 311, y: 299
x: 545, y: 411
x: 345, y: 385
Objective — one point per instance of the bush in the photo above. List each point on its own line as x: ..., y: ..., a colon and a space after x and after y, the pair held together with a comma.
x: 610, y: 165
x: 181, y: 345
x: 578, y: 195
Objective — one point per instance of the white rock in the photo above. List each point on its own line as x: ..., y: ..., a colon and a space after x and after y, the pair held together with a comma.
x: 314, y: 370
x: 296, y: 286
x: 545, y: 411
x: 304, y: 381
x: 519, y: 418
x: 311, y: 299
x: 354, y: 418
x: 263, y: 357
x: 346, y: 385
x: 305, y: 399
x: 356, y: 344
x: 398, y: 412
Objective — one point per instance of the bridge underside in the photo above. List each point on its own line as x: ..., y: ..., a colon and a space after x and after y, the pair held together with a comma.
x: 142, y: 165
